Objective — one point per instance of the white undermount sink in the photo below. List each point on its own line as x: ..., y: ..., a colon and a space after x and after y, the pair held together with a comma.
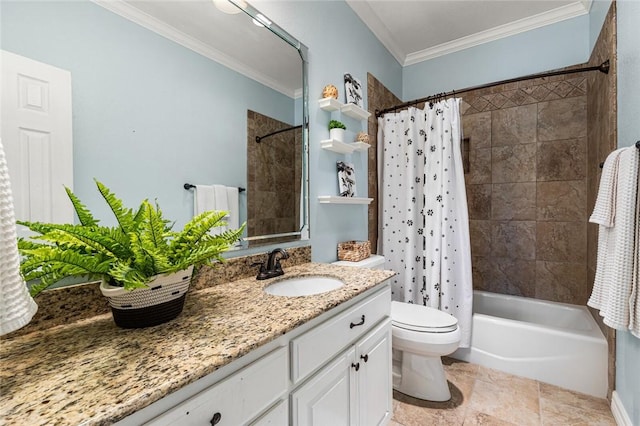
x: 303, y: 286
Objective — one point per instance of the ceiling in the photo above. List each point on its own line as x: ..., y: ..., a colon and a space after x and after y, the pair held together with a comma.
x: 412, y: 30
x: 417, y: 30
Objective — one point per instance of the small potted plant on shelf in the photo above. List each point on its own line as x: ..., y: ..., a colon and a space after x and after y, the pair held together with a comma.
x: 145, y: 267
x: 336, y: 130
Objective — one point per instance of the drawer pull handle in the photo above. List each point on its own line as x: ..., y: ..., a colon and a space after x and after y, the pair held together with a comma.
x: 356, y: 366
x: 360, y: 323
x: 215, y: 419
x: 365, y: 357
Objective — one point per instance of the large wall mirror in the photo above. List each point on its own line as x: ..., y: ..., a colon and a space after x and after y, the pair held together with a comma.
x: 174, y: 92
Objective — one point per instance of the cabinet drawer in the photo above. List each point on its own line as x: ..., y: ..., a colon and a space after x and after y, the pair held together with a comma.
x: 315, y: 347
x: 238, y: 398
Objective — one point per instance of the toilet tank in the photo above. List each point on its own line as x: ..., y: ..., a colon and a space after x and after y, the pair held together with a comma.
x: 372, y: 262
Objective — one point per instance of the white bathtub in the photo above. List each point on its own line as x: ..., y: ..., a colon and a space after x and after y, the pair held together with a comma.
x: 551, y: 342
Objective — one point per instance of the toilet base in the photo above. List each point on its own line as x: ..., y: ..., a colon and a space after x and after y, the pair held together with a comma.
x: 421, y: 377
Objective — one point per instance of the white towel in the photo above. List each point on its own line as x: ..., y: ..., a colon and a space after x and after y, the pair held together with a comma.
x: 604, y: 212
x: 218, y: 197
x: 613, y: 286
x: 233, y: 202
x: 16, y: 305
x: 203, y: 199
x: 634, y: 301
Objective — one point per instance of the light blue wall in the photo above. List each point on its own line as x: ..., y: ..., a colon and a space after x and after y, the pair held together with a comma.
x: 554, y: 46
x: 148, y: 114
x: 597, y: 14
x: 627, y: 346
x: 338, y: 42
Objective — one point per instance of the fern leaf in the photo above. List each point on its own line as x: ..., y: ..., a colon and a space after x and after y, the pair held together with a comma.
x: 198, y: 227
x: 84, y: 216
x: 123, y: 215
x: 94, y: 239
x: 130, y: 278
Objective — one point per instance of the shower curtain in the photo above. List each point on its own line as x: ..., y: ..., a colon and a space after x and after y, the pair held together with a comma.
x: 423, y: 214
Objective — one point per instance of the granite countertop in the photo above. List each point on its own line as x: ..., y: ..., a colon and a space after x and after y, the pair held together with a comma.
x: 92, y: 372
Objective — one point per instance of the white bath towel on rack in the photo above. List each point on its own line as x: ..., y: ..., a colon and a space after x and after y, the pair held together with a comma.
x: 604, y: 211
x: 218, y: 197
x: 613, y: 284
x: 634, y: 301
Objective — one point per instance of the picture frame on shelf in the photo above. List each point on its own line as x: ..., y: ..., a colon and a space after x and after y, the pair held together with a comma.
x: 353, y: 90
x: 346, y: 179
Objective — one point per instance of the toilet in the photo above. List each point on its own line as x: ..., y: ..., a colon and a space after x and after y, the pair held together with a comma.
x: 420, y: 336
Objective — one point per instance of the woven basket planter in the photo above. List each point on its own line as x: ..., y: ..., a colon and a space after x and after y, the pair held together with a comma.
x: 354, y: 251
x: 162, y: 301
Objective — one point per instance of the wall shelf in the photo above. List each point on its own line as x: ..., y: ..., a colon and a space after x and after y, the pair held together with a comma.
x: 351, y: 110
x: 343, y: 148
x: 329, y: 104
x: 354, y: 111
x: 335, y: 199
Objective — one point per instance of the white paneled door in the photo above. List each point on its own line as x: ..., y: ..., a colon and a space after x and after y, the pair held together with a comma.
x: 37, y: 136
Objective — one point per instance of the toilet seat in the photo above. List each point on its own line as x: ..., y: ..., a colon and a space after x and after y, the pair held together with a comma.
x: 421, y: 318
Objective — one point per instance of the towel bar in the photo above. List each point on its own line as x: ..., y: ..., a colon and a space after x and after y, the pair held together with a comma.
x: 189, y: 186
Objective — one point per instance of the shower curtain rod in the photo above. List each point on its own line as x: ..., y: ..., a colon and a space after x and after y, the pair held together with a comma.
x: 259, y: 138
x: 603, y: 68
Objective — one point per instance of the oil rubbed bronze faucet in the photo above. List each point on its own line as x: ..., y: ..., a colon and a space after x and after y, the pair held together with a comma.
x: 273, y: 268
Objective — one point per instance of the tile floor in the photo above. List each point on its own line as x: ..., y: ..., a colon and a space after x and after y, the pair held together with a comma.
x: 482, y: 396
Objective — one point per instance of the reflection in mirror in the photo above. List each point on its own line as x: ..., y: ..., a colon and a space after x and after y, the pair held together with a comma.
x: 160, y: 94
x: 274, y: 167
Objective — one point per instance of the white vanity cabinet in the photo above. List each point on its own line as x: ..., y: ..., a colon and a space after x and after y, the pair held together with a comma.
x: 333, y: 370
x: 237, y: 399
x: 354, y: 388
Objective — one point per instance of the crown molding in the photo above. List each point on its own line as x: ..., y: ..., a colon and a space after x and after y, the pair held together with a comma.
x: 377, y: 27
x: 562, y: 13
x: 147, y: 21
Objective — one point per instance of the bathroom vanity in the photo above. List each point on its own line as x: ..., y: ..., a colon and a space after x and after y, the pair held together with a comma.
x: 235, y: 356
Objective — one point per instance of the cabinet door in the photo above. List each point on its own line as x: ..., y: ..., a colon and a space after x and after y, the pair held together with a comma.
x: 373, y: 353
x: 329, y: 397
x: 235, y: 400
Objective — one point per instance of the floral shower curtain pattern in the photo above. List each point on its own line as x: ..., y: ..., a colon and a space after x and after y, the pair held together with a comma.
x: 423, y: 210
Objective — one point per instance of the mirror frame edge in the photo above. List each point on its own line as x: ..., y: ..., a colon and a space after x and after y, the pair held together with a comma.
x: 303, y: 51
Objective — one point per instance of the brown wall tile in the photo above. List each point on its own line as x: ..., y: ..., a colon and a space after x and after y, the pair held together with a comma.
x: 477, y: 127
x: 562, y: 160
x: 479, y: 201
x: 562, y: 201
x: 479, y: 166
x: 514, y: 126
x: 562, y: 119
x: 480, y: 237
x: 513, y: 163
x: 515, y: 201
x: 561, y: 241
x: 561, y: 282
x: 513, y: 239
x: 514, y: 276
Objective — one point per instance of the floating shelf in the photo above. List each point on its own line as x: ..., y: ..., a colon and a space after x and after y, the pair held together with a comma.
x: 354, y: 111
x: 343, y: 148
x: 360, y: 146
x: 337, y: 146
x: 329, y: 104
x: 335, y: 199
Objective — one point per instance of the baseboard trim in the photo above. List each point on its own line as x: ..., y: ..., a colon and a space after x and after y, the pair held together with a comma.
x: 618, y: 411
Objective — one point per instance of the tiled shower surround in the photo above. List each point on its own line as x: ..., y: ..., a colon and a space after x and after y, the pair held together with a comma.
x: 273, y: 177
x: 527, y: 188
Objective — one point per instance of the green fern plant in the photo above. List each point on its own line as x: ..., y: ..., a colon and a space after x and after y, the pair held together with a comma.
x: 130, y: 254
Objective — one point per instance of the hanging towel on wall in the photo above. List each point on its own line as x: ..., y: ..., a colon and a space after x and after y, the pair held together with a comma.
x: 218, y: 197
x: 617, y: 262
x: 634, y: 302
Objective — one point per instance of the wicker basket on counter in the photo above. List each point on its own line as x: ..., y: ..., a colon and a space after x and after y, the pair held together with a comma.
x: 354, y: 251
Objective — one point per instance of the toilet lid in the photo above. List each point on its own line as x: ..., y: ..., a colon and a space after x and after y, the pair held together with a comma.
x: 421, y: 318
